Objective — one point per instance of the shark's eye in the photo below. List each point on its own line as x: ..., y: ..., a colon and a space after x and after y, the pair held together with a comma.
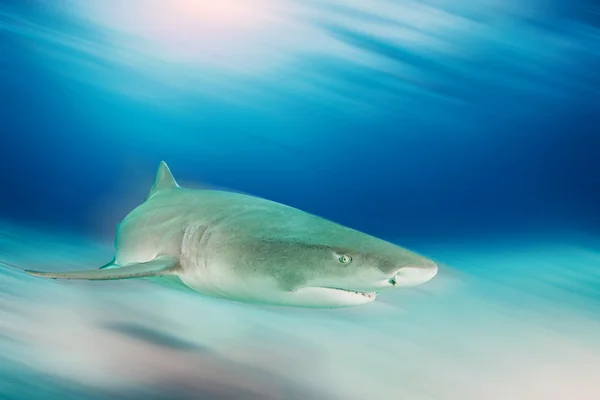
x: 345, y: 259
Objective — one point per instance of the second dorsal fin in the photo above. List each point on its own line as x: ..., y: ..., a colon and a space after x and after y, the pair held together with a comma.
x: 164, y: 180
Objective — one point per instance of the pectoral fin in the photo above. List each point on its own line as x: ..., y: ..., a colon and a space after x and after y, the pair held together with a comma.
x: 160, y: 266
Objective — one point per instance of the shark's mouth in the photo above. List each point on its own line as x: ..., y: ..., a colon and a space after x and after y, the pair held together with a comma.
x: 329, y: 297
x: 369, y: 295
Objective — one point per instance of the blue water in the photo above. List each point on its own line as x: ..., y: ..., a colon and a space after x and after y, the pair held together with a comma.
x: 465, y: 131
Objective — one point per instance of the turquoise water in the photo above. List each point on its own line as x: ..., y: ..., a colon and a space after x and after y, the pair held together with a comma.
x: 512, y: 318
x: 467, y: 132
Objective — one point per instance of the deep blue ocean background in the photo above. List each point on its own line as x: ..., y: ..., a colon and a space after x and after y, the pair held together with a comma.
x: 469, y: 131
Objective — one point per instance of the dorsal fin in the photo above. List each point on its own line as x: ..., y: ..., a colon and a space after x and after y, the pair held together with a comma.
x: 164, y: 180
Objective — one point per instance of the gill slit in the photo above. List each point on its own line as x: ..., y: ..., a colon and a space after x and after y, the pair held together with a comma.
x: 203, y: 239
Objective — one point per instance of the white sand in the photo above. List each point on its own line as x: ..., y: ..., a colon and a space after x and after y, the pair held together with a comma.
x: 513, y: 319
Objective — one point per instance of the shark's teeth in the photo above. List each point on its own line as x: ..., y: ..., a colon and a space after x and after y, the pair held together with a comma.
x: 369, y: 295
x: 366, y: 294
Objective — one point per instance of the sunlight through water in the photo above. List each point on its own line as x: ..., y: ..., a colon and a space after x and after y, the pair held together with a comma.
x: 466, y: 131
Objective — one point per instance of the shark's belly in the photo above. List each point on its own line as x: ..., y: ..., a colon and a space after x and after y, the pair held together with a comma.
x: 220, y: 280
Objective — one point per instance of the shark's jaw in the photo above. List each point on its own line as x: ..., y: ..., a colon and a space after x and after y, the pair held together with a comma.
x: 336, y: 297
x: 328, y: 297
x: 370, y: 295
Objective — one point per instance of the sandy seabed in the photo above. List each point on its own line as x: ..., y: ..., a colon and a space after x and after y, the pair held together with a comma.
x: 506, y: 318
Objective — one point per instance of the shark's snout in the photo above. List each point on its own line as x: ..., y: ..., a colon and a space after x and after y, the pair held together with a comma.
x: 412, y: 275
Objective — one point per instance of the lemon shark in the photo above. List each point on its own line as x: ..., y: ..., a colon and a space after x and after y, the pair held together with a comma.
x: 249, y: 249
